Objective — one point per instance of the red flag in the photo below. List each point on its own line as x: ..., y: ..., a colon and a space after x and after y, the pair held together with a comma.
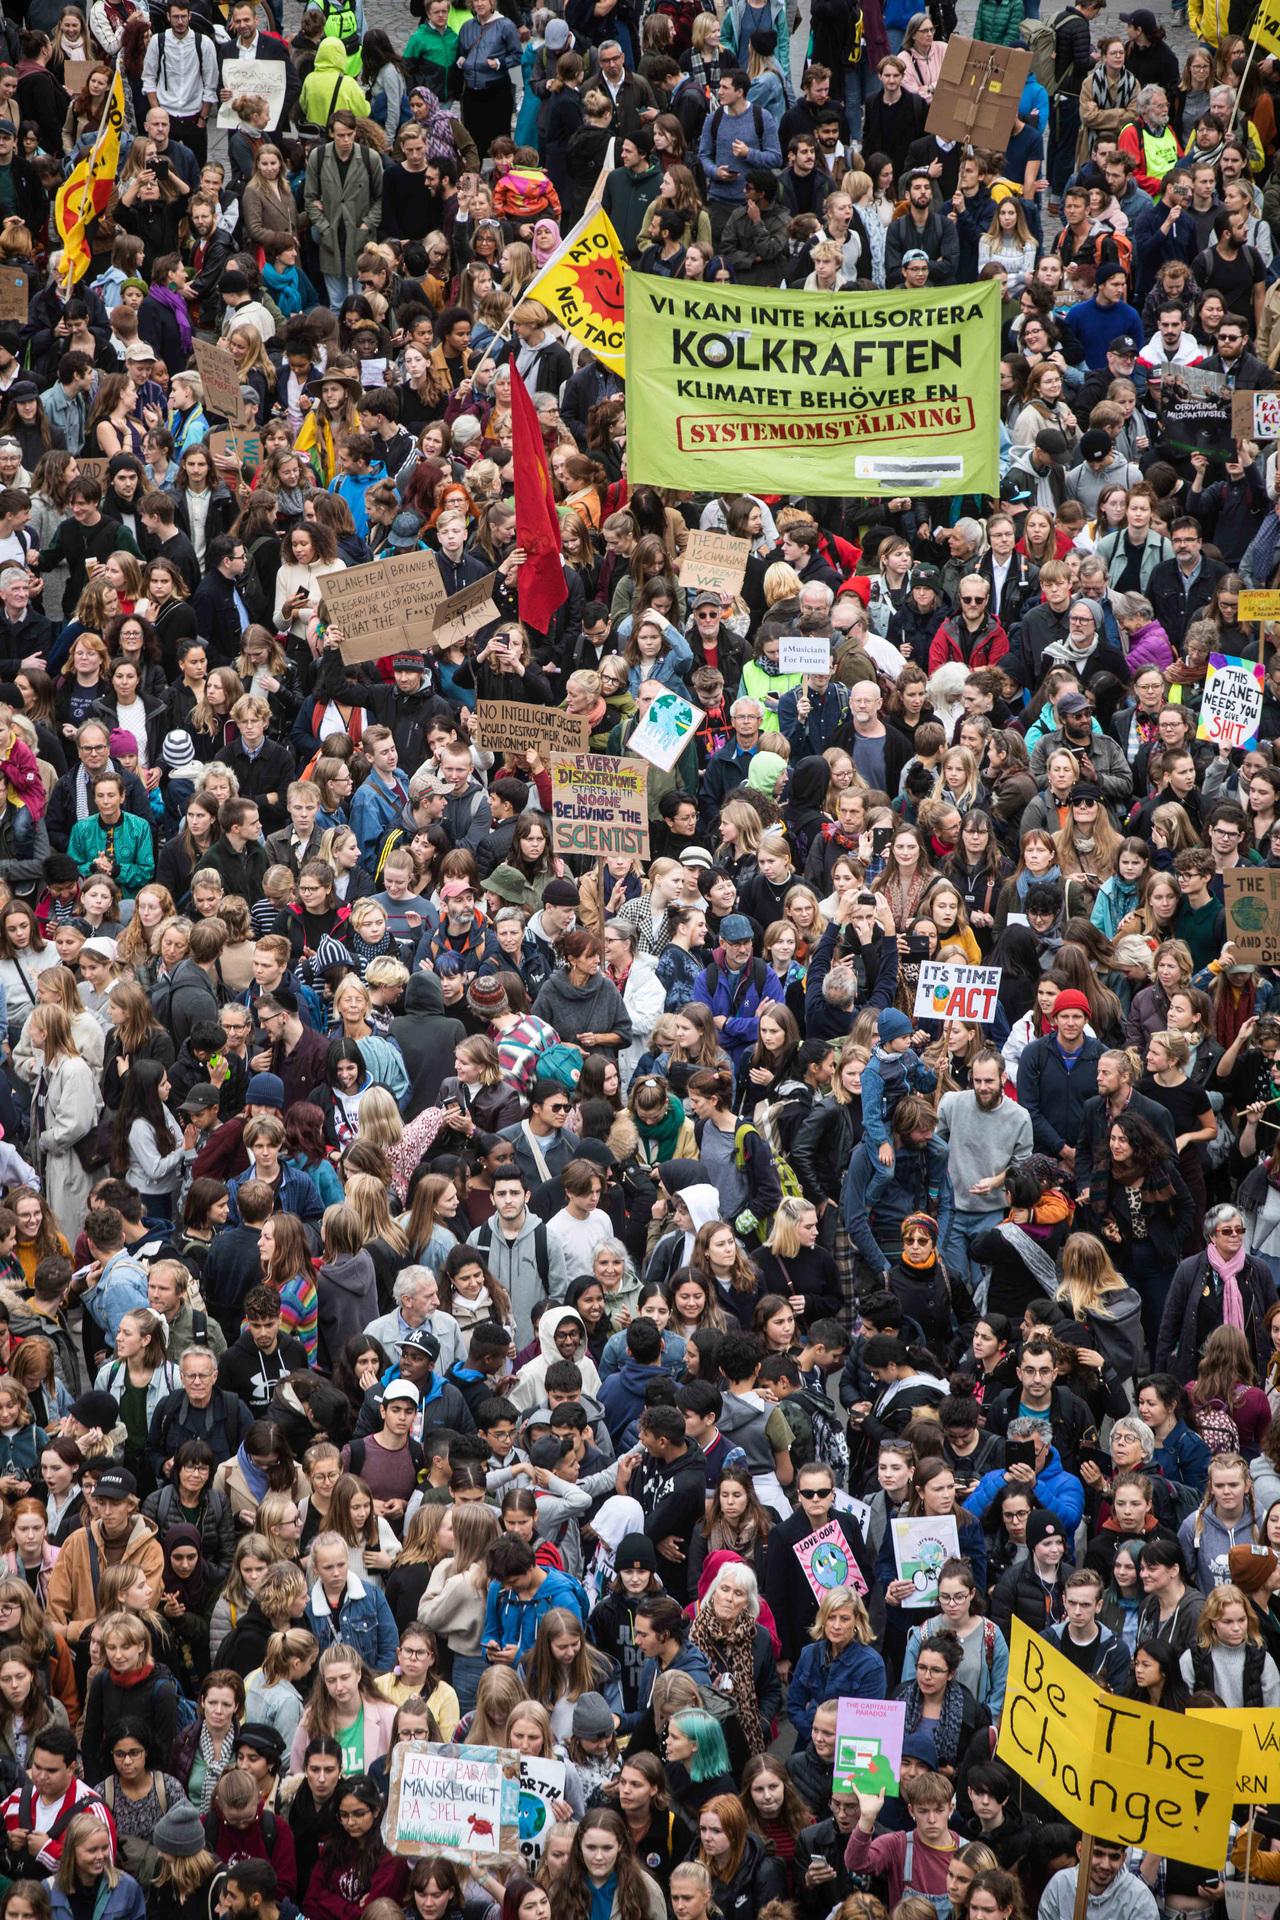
x: 540, y: 583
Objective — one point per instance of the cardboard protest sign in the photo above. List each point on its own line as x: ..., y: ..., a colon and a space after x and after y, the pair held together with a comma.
x: 1251, y: 896
x: 93, y: 467
x: 804, y: 653
x: 714, y: 563
x: 1259, y: 603
x: 465, y: 613
x: 541, y: 1785
x: 976, y: 98
x: 1256, y: 415
x: 388, y: 606
x: 869, y: 1736
x: 221, y: 378
x: 1258, y: 1779
x: 1115, y: 1768
x: 74, y: 75
x: 920, y: 1545
x: 1232, y: 703
x: 463, y: 1802
x: 253, y: 79
x: 241, y: 444
x: 826, y: 1562
x: 666, y: 730
x: 948, y: 991
x: 15, y: 291
x: 517, y: 726
x: 599, y: 806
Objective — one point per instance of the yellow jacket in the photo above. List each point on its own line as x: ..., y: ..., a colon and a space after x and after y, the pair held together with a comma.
x: 1207, y: 20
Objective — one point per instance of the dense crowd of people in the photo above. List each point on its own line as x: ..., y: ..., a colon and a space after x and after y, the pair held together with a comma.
x: 446, y: 1281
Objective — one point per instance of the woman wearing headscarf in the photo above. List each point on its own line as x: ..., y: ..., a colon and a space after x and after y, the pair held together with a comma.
x: 189, y: 1594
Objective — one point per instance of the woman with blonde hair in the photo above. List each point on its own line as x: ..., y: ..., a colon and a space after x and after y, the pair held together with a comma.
x: 344, y: 1701
x: 740, y: 833
x: 64, y: 1113
x: 454, y: 1602
x: 405, y: 1146
x: 87, y: 1880
x: 385, y: 1239
x: 841, y: 1662
x: 1103, y: 1300
x: 1225, y: 1657
x: 1009, y: 241
x: 56, y: 987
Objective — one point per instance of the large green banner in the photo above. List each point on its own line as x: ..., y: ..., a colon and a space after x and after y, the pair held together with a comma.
x: 736, y: 389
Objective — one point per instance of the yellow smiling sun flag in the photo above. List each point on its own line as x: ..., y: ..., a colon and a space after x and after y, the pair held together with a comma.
x: 581, y: 288
x: 86, y: 191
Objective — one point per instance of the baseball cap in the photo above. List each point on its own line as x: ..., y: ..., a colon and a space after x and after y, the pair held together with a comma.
x: 914, y: 253
x: 1049, y: 440
x: 453, y: 889
x: 1142, y: 18
x: 400, y: 1390
x: 1124, y: 343
x: 404, y: 531
x: 707, y: 600
x: 202, y: 1096
x: 117, y: 1483
x: 422, y: 1340
x: 1072, y: 703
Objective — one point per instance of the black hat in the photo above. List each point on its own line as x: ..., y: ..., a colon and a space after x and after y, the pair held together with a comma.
x: 117, y: 1483
x: 23, y: 390
x: 234, y: 282
x: 285, y: 997
x: 927, y: 577
x: 1124, y: 344
x: 561, y: 893
x: 1049, y: 440
x: 261, y: 1738
x: 95, y: 1410
x: 636, y: 1550
x: 1084, y: 793
x: 1096, y: 444
x: 1042, y: 1526
x: 422, y: 1340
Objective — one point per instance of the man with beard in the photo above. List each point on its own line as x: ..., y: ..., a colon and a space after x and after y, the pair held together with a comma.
x: 985, y: 1133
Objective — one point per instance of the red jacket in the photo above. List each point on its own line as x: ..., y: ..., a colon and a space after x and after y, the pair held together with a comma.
x: 991, y: 645
x: 332, y: 1895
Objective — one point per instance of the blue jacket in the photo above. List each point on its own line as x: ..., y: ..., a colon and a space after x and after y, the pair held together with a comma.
x: 375, y: 810
x: 879, y: 1076
x: 297, y: 1193
x: 124, y: 1901
x: 1056, y: 1489
x: 1052, y: 1095
x: 363, y: 1621
x: 856, y: 1674
x: 1183, y: 1457
x: 738, y: 997
x: 513, y: 1622
x: 828, y: 713
x: 622, y: 1395
x: 918, y: 1182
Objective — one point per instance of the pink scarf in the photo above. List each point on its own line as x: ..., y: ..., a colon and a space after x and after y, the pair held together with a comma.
x: 1228, y: 1272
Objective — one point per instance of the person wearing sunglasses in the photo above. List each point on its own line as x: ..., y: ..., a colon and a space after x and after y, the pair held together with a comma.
x: 1224, y: 1285
x: 786, y: 1588
x: 971, y: 634
x: 543, y: 1144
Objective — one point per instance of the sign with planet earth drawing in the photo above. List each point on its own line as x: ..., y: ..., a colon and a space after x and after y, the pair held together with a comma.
x: 869, y: 1735
x: 946, y: 991
x: 541, y: 1785
x: 921, y: 1545
x: 1252, y: 902
x: 826, y: 1562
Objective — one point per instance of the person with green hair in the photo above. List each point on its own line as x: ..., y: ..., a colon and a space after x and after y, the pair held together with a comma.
x: 697, y: 1759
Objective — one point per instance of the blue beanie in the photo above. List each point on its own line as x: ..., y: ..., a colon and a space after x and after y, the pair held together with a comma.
x: 892, y: 1025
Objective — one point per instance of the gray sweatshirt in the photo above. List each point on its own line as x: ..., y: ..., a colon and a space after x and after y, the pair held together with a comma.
x: 596, y: 1007
x: 981, y: 1144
